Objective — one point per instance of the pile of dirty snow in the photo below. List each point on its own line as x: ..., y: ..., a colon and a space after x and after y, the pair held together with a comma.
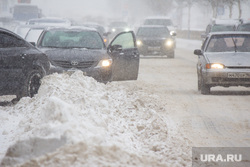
x: 76, y: 121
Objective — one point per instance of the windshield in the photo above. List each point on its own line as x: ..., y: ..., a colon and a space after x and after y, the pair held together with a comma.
x: 218, y: 28
x: 165, y: 22
x: 244, y: 27
x: 72, y: 39
x: 153, y: 32
x: 229, y: 43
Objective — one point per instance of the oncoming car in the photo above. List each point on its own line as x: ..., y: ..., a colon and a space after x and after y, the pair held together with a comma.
x: 224, y: 60
x: 153, y: 40
x: 22, y: 66
x: 161, y: 21
x: 81, y: 48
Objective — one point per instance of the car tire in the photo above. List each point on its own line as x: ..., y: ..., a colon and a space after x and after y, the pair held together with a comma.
x: 205, y: 89
x: 171, y: 55
x: 199, y: 82
x: 31, y: 84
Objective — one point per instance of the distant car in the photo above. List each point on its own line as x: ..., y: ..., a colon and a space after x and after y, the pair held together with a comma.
x: 244, y: 27
x: 50, y: 21
x: 161, y: 21
x: 118, y: 26
x: 224, y: 60
x: 22, y: 66
x: 100, y: 29
x: 218, y: 25
x: 22, y: 30
x: 153, y: 40
x: 77, y: 48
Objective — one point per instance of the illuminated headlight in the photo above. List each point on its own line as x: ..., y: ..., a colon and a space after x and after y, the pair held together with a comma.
x: 105, y: 63
x: 169, y: 43
x: 139, y: 43
x: 113, y: 29
x: 127, y: 29
x: 215, y: 66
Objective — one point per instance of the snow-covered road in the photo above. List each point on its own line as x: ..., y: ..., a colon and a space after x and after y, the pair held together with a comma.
x: 155, y: 121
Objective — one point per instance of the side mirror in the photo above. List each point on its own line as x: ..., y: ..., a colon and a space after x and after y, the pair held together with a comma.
x: 173, y: 33
x: 115, y: 48
x: 33, y: 43
x: 198, y: 52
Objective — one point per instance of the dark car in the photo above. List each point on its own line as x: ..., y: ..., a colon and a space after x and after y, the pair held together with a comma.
x: 100, y: 29
x: 153, y: 40
x: 21, y: 65
x: 116, y: 27
x: 224, y: 60
x: 244, y: 27
x: 77, y: 48
x: 218, y: 25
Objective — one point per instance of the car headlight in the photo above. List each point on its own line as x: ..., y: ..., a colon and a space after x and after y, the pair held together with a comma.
x: 113, y: 30
x: 105, y: 63
x: 169, y: 43
x: 139, y: 43
x: 215, y: 66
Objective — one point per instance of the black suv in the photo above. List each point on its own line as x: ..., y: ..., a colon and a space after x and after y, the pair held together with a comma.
x: 21, y: 66
x: 155, y: 40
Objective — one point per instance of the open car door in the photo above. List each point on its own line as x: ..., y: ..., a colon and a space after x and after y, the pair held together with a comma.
x: 125, y: 56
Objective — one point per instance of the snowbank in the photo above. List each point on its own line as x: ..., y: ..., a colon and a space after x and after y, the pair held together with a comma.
x: 76, y: 121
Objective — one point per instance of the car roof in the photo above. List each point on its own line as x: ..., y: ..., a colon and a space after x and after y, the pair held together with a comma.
x: 158, y: 17
x: 77, y: 28
x: 230, y: 33
x: 8, y: 31
x: 153, y: 26
x: 226, y: 21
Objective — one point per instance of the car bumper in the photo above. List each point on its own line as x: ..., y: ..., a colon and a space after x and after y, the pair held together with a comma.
x: 149, y: 50
x: 99, y: 74
x: 227, y: 77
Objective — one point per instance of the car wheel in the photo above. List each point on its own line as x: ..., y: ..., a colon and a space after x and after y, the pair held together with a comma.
x: 171, y: 55
x: 205, y: 89
x: 31, y: 84
x: 199, y: 82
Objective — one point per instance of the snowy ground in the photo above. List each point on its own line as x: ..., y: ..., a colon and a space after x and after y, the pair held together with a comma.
x: 155, y: 121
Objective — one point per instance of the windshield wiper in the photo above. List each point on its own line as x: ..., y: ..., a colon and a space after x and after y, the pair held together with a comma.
x: 235, y: 47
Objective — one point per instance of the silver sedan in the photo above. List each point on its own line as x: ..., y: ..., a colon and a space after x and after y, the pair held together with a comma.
x: 224, y: 60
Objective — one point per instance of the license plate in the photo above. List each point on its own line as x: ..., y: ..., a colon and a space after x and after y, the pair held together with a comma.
x: 154, y: 48
x: 238, y: 75
x: 70, y: 72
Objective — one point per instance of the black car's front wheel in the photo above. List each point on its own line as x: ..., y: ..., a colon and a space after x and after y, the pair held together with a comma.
x: 31, y: 84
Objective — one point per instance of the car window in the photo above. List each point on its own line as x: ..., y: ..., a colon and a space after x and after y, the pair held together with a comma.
x: 153, y: 32
x: 244, y: 27
x: 7, y: 41
x: 33, y: 35
x: 229, y: 43
x: 72, y: 39
x: 126, y: 40
x: 165, y: 22
x: 218, y: 28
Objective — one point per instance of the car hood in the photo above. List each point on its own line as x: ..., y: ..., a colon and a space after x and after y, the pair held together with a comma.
x: 77, y: 54
x: 236, y: 59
